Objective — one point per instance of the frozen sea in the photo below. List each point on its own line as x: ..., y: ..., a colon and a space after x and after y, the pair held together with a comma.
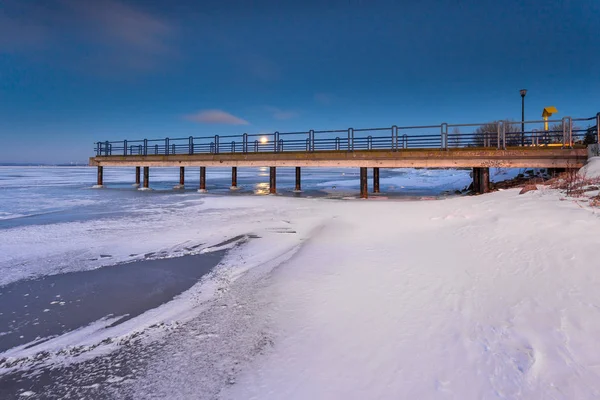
x: 84, y: 273
x: 42, y: 195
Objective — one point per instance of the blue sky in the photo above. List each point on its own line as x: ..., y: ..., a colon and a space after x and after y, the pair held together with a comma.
x: 74, y: 72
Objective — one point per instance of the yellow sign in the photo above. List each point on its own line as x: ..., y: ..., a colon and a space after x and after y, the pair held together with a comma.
x: 548, y: 111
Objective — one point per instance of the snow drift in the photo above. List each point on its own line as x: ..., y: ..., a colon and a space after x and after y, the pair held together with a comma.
x: 591, y: 170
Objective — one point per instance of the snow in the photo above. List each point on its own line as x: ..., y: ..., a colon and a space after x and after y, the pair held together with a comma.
x: 139, y: 223
x: 400, y: 300
x: 271, y: 241
x: 472, y: 298
x: 482, y: 297
x: 591, y: 170
x: 39, y: 250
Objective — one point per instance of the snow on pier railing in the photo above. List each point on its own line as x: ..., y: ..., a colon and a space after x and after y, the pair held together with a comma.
x: 564, y: 133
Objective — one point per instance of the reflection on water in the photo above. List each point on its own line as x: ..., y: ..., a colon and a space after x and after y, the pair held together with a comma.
x: 261, y: 188
x: 263, y: 171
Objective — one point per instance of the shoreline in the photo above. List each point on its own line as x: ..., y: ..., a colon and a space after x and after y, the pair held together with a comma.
x: 233, y: 318
x: 216, y: 350
x: 54, y: 305
x: 110, y: 374
x: 83, y: 314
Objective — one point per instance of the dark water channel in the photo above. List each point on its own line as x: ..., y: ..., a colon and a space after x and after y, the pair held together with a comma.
x: 53, y: 305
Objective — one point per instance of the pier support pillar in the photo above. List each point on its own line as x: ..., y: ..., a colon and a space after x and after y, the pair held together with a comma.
x: 146, y: 178
x: 481, y: 180
x: 476, y: 180
x: 202, y: 188
x: 298, y: 187
x: 273, y: 180
x: 234, y: 185
x: 484, y: 184
x: 364, y: 190
x: 181, y: 179
x: 375, y: 180
x: 100, y: 178
x: 137, y: 177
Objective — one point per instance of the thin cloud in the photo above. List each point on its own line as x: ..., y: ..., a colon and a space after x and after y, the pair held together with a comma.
x: 22, y: 31
x: 247, y: 59
x: 119, y: 24
x: 261, y: 67
x: 99, y: 36
x: 324, y: 98
x: 216, y: 117
x: 280, y: 114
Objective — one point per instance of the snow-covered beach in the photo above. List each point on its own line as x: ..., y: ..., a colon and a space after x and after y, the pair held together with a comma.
x: 482, y: 297
x: 306, y: 200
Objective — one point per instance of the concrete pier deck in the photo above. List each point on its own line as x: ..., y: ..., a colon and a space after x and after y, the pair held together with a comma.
x: 534, y: 157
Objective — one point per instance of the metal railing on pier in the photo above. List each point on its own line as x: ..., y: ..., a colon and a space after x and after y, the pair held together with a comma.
x: 562, y: 133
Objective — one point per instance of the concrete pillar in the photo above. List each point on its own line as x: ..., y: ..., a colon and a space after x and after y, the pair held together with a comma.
x: 137, y: 177
x: 234, y: 184
x: 375, y: 180
x: 476, y: 180
x: 100, y: 177
x: 364, y: 190
x: 298, y: 187
x: 202, y: 188
x: 481, y: 180
x: 146, y: 177
x: 181, y: 179
x: 484, y: 176
x: 273, y: 180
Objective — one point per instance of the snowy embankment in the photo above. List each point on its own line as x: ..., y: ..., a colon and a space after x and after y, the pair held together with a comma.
x: 481, y: 297
x: 470, y: 298
x: 592, y: 169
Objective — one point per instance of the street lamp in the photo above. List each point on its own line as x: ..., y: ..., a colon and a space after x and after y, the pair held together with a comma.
x: 523, y: 93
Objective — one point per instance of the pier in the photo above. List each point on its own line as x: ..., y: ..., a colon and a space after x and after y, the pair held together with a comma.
x: 479, y: 146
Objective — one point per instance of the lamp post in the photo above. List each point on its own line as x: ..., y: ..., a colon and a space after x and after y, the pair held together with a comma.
x: 523, y: 93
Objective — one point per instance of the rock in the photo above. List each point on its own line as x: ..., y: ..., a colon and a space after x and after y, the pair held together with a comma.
x: 528, y: 188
